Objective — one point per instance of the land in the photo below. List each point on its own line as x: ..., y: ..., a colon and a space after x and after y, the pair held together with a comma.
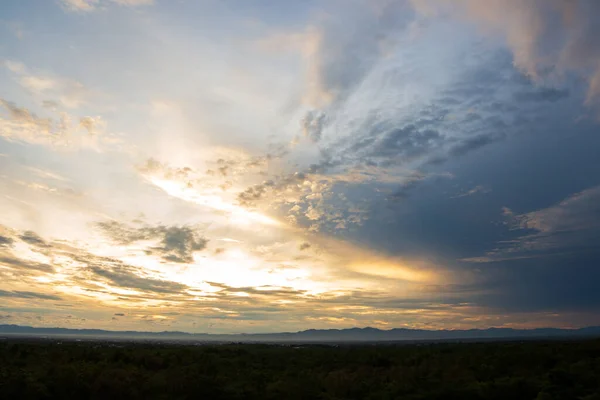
x: 70, y: 368
x: 310, y: 335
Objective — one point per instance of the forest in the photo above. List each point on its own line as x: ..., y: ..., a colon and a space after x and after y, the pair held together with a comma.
x: 46, y: 369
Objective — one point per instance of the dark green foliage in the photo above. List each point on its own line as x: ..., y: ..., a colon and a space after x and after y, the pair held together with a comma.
x: 514, y: 370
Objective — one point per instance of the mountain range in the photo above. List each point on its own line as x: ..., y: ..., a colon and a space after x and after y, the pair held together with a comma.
x: 312, y: 335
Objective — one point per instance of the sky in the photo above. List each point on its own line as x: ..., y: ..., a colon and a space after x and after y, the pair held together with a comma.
x: 249, y: 166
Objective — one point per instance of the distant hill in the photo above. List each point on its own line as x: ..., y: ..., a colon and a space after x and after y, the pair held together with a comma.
x: 312, y: 335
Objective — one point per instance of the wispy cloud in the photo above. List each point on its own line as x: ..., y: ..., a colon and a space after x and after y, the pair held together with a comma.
x: 91, y: 5
x: 471, y: 192
x: 28, y: 295
x: 66, y: 92
x: 569, y: 226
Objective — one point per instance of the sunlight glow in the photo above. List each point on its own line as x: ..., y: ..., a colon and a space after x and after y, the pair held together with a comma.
x: 236, y: 214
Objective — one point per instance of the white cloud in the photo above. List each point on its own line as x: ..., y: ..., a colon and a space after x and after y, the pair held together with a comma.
x: 22, y: 125
x: 91, y: 5
x: 80, y: 5
x: 133, y: 3
x: 66, y: 92
x: 92, y: 124
x: 16, y: 67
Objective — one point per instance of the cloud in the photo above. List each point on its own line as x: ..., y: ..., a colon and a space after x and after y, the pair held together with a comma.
x: 401, y: 144
x: 175, y: 243
x: 26, y: 119
x: 340, y: 58
x: 180, y: 243
x: 33, y: 239
x: 92, y: 124
x: 28, y: 295
x: 337, y: 59
x: 379, y: 136
x: 24, y: 265
x: 476, y: 142
x: 313, y: 124
x: 80, y: 5
x: 579, y: 211
x: 6, y: 241
x: 221, y: 169
x: 91, y: 5
x: 48, y: 89
x: 268, y: 291
x: 571, y: 225
x: 548, y: 38
x: 388, y: 110
x: 86, y: 270
x: 304, y: 246
x: 15, y: 28
x: 125, y: 276
x: 405, y: 143
x: 408, y: 186
x: 471, y: 192
x: 542, y: 94
x: 308, y: 198
x: 133, y: 3
x: 25, y: 126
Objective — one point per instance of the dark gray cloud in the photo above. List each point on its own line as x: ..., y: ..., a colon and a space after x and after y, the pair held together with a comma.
x: 398, y: 145
x: 542, y: 94
x: 180, y: 243
x: 304, y: 246
x: 175, y: 243
x: 28, y: 295
x: 6, y: 241
x: 407, y: 187
x: 521, y: 259
x: 473, y: 143
x: 251, y: 195
x: 25, y: 265
x: 312, y: 125
x: 125, y: 276
x: 33, y: 239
